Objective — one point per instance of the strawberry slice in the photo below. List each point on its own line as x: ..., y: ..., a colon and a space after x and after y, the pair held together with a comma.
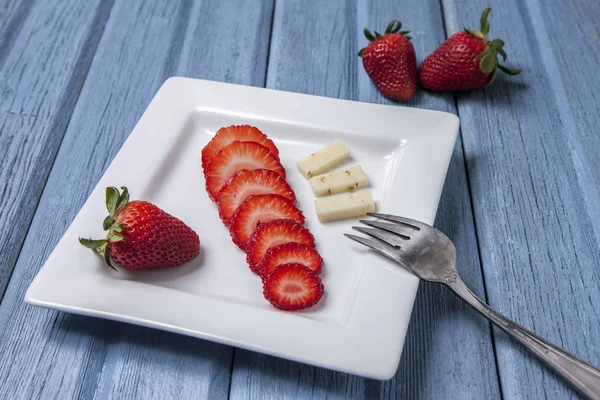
x: 235, y: 157
x: 274, y: 233
x: 260, y: 208
x: 293, y: 287
x: 247, y: 183
x: 230, y: 134
x: 290, y: 253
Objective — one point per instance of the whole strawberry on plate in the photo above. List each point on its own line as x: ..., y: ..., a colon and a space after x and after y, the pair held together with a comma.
x: 391, y: 63
x: 465, y: 61
x: 142, y: 236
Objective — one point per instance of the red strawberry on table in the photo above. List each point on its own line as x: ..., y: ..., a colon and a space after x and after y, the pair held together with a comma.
x: 247, y: 183
x: 142, y: 236
x: 274, y: 233
x: 465, y: 61
x: 390, y: 62
x: 234, y: 158
x: 293, y: 287
x: 228, y: 135
x: 260, y: 208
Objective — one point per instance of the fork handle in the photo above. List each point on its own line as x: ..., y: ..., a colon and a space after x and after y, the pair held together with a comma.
x: 584, y: 377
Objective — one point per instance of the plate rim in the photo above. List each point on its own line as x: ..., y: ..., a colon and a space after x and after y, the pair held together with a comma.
x: 193, y: 92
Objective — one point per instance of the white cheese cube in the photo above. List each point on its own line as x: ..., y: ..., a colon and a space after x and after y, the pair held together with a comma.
x: 328, y: 157
x: 343, y: 180
x: 346, y: 205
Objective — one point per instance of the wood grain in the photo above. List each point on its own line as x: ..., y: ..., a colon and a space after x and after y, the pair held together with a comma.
x: 448, y: 351
x: 572, y: 31
x: 41, y: 78
x: 57, y: 355
x: 532, y: 174
x: 228, y: 41
x: 536, y: 233
x: 12, y: 15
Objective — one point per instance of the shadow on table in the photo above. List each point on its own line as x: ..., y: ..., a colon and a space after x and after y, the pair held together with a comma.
x: 504, y: 91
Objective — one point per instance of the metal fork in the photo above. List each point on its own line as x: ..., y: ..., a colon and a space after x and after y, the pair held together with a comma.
x: 430, y: 255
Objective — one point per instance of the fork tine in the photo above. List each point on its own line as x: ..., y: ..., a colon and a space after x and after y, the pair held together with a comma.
x: 402, y: 220
x: 387, y: 237
x: 376, y: 245
x: 401, y: 230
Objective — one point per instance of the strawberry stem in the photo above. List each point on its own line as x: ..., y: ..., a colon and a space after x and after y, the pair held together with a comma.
x: 115, y: 202
x: 390, y: 26
x: 484, y: 24
x: 393, y: 27
x: 498, y: 45
x: 99, y: 247
x: 508, y: 70
x: 95, y: 245
x: 112, y: 197
x: 369, y: 35
x: 488, y: 59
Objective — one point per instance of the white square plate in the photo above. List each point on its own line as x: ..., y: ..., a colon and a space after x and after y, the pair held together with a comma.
x: 360, y: 324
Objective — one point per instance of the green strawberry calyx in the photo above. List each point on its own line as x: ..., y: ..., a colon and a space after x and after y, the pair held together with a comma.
x: 393, y: 27
x: 115, y: 202
x: 488, y: 59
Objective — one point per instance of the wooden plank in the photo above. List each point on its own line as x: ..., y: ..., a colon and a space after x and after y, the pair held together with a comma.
x: 228, y: 41
x: 572, y: 33
x: 523, y: 146
x: 448, y: 352
x: 57, y: 355
x: 12, y: 16
x: 40, y: 81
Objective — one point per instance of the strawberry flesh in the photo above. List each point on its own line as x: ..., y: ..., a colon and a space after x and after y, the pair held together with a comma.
x: 230, y: 134
x: 293, y: 287
x: 234, y: 158
x: 290, y: 253
x: 244, y: 176
x: 275, y: 233
x: 260, y: 208
x: 247, y: 183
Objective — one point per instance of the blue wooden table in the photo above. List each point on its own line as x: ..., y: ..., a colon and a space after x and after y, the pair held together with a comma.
x: 521, y: 200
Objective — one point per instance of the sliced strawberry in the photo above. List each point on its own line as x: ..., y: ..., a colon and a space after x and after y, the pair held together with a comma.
x: 235, y: 157
x: 228, y: 135
x: 247, y: 183
x: 293, y: 287
x: 290, y: 253
x: 260, y: 208
x: 274, y: 233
